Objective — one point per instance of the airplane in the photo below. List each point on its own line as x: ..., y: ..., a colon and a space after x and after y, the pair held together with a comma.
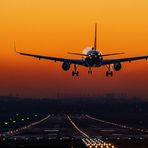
x: 91, y: 57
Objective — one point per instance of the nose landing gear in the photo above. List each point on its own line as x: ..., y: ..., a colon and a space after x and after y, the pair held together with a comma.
x: 89, y: 71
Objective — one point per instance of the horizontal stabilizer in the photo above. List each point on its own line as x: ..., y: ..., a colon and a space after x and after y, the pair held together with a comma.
x: 81, y: 54
x: 111, y: 54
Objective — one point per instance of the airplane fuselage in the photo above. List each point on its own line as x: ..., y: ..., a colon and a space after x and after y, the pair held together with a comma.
x: 93, y: 59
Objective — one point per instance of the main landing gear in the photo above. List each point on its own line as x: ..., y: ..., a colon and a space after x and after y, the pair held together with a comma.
x: 75, y: 72
x: 109, y: 72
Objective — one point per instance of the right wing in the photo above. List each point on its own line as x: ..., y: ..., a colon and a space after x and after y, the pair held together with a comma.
x: 113, y: 61
x: 71, y: 61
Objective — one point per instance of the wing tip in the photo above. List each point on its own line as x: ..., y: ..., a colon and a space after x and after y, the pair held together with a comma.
x: 15, y: 49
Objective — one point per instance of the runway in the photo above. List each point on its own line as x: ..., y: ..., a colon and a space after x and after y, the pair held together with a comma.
x: 71, y: 131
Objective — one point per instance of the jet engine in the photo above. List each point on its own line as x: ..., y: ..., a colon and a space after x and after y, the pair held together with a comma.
x: 117, y: 66
x: 65, y: 66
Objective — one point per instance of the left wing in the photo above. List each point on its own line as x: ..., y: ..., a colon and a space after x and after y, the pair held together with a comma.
x: 113, y: 61
x: 71, y: 61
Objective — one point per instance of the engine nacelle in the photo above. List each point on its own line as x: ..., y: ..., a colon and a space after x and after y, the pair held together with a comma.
x: 65, y: 66
x: 117, y: 66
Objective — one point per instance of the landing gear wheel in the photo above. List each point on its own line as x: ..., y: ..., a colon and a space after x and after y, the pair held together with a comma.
x: 89, y: 71
x: 75, y: 73
x: 109, y: 73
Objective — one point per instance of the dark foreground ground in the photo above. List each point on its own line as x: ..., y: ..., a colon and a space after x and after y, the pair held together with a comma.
x: 43, y: 123
x: 71, y: 144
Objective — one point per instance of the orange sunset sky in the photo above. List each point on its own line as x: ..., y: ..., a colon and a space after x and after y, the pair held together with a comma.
x: 55, y: 27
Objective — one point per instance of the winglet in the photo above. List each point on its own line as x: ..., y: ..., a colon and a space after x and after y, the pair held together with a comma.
x: 15, y: 47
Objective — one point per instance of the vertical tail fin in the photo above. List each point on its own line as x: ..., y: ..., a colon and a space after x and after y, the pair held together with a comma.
x: 95, y: 40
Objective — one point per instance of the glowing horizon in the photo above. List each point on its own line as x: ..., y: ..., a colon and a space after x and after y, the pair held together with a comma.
x: 56, y: 27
